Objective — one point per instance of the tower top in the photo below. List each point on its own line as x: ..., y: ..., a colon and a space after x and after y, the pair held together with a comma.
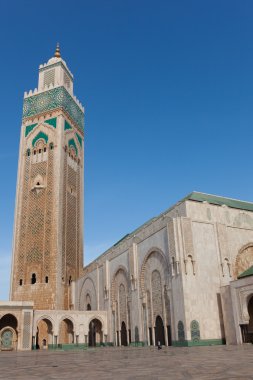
x: 57, y: 53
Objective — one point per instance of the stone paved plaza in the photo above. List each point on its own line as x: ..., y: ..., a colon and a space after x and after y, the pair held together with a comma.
x: 215, y: 362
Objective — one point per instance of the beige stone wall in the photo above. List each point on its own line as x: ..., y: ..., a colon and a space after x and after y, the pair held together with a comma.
x: 48, y: 234
x: 19, y: 317
x: 176, y: 266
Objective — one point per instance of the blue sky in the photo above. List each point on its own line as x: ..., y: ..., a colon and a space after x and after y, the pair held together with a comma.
x: 167, y: 87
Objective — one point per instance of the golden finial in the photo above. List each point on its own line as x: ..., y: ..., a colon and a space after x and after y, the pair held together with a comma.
x: 57, y: 53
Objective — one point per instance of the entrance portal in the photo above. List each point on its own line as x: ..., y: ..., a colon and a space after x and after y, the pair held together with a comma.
x: 8, y: 332
x: 247, y: 330
x: 95, y: 333
x: 159, y: 331
x: 123, y: 334
x: 66, y: 332
x: 44, y: 334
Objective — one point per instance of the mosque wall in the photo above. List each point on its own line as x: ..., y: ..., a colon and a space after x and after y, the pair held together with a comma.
x: 173, y: 267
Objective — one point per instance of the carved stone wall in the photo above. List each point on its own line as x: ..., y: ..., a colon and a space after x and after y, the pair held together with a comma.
x: 156, y: 286
x: 244, y: 260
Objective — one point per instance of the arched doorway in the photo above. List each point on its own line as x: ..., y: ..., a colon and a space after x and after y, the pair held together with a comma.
x: 8, y: 332
x: 95, y: 333
x: 250, y: 325
x: 66, y: 332
x: 123, y: 334
x: 159, y: 331
x: 44, y: 335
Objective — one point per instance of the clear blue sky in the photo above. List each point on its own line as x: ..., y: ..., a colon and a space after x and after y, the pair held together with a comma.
x: 167, y: 87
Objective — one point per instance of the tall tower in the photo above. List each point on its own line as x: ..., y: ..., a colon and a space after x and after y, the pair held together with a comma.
x: 48, y: 228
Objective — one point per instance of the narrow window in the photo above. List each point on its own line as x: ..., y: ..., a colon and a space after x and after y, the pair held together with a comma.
x: 21, y: 282
x: 46, y: 279
x: 70, y: 280
x: 33, y: 279
x: 28, y: 152
x: 51, y: 146
x: 88, y: 307
x: 34, y: 152
x: 45, y: 149
x: 39, y: 150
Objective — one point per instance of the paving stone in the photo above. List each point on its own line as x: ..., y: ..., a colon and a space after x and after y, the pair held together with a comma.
x: 198, y: 363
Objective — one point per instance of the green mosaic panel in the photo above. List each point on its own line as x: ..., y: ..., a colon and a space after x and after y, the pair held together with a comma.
x: 29, y: 128
x: 195, y: 332
x: 39, y: 136
x: 50, y: 100
x: 67, y: 126
x: 201, y: 342
x: 52, y: 121
x: 181, y: 333
x: 73, y: 144
x: 79, y: 138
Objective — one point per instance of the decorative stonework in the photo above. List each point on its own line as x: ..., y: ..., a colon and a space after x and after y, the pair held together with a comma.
x: 181, y: 333
x: 49, y: 100
x: 39, y: 136
x: 67, y: 126
x: 29, y: 128
x: 244, y: 260
x: 71, y: 143
x: 195, y: 332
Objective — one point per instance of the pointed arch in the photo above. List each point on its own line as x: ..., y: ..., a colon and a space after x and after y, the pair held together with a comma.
x: 244, y: 259
x: 124, y: 271
x: 165, y: 266
x: 40, y: 136
x: 88, y: 287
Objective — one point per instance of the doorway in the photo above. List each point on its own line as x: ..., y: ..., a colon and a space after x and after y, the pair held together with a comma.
x: 159, y: 331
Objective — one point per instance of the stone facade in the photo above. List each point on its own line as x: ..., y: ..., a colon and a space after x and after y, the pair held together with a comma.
x: 48, y: 238
x: 175, y: 267
x: 174, y: 280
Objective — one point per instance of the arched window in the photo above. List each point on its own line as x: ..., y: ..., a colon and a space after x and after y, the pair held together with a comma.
x: 21, y: 282
x: 88, y: 307
x: 33, y: 279
x: 28, y: 152
x: 46, y: 279
x: 51, y: 146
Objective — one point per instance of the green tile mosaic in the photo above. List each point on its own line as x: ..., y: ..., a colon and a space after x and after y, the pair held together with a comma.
x: 180, y: 329
x: 201, y: 342
x: 40, y: 135
x: 195, y: 332
x: 79, y: 138
x: 73, y: 144
x: 29, y: 128
x: 52, y: 121
x: 67, y: 126
x: 52, y: 99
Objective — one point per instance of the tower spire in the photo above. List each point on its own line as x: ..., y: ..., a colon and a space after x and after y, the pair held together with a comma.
x: 57, y: 53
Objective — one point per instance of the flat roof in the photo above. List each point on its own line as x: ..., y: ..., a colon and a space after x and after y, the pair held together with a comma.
x: 194, y: 196
x: 218, y: 200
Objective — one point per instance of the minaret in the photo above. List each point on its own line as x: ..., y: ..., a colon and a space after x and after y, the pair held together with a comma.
x: 48, y: 227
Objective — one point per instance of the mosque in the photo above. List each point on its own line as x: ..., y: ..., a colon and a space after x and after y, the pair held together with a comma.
x: 183, y: 278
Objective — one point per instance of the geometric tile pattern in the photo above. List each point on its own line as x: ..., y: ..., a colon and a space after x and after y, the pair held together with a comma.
x: 55, y: 98
x: 195, y: 333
